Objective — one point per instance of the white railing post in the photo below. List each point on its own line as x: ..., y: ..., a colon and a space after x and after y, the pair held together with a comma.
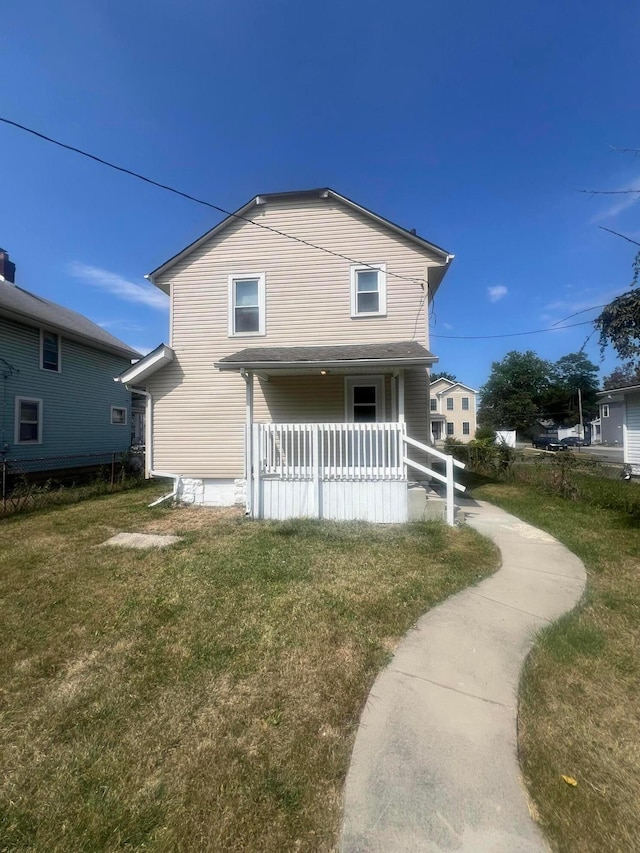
x: 450, y: 491
x: 316, y: 468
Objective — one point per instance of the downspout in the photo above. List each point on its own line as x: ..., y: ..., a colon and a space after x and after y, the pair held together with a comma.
x: 148, y: 441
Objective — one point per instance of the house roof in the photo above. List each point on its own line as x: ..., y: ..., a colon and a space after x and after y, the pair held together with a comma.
x: 452, y: 385
x: 31, y: 310
x: 325, y: 192
x: 616, y: 394
x: 147, y: 366
x: 403, y: 354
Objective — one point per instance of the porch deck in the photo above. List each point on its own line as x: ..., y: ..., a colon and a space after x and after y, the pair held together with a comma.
x: 340, y: 471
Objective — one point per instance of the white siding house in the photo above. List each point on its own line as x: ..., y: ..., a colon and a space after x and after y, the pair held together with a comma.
x: 299, y: 308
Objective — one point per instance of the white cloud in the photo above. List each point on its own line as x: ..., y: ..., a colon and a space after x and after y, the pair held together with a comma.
x: 143, y: 350
x: 497, y: 293
x: 121, y: 326
x: 578, y: 310
x: 618, y: 203
x: 113, y: 283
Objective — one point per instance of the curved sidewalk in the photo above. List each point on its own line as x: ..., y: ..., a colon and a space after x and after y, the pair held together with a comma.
x: 434, y: 766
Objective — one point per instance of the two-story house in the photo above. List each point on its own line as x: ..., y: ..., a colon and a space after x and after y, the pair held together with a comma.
x: 59, y: 404
x: 453, y: 410
x: 297, y: 359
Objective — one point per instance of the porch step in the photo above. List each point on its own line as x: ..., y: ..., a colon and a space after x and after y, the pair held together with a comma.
x: 425, y: 504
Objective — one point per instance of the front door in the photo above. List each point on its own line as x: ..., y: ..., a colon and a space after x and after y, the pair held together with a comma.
x: 364, y: 399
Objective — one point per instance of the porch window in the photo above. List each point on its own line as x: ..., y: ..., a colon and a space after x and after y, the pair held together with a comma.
x: 368, y: 290
x: 28, y: 426
x: 49, y: 351
x: 449, y: 428
x: 247, y: 304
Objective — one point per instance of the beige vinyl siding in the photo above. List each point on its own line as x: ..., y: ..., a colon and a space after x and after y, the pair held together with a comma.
x: 199, y: 412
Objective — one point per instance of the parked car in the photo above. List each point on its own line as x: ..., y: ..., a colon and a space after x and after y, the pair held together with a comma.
x: 574, y: 441
x: 548, y: 442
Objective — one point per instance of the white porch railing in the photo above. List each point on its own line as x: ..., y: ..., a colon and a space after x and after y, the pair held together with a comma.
x: 344, y: 451
x: 334, y: 453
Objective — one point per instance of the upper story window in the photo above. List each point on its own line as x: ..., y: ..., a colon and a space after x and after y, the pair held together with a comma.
x: 28, y: 426
x: 449, y: 404
x: 49, y: 351
x: 118, y: 415
x: 605, y: 410
x: 465, y: 404
x: 369, y: 290
x: 434, y: 404
x: 247, y: 304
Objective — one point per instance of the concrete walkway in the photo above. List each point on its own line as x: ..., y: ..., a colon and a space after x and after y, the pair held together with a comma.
x: 434, y: 765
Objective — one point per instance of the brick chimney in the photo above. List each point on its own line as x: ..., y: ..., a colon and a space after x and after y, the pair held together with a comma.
x: 7, y: 268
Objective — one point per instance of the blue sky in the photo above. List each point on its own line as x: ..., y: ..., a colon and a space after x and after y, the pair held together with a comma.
x: 476, y: 124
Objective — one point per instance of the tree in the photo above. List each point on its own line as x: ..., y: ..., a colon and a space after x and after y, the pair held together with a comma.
x: 570, y: 373
x: 443, y: 375
x: 624, y: 374
x: 513, y: 396
x: 619, y: 322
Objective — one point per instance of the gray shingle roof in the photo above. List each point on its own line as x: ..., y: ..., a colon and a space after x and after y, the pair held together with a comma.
x: 410, y: 352
x: 32, y: 310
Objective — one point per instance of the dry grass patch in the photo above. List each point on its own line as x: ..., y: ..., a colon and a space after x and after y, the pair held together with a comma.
x: 204, y: 696
x: 580, y: 692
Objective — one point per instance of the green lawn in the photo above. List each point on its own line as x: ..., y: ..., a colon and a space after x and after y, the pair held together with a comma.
x: 580, y: 693
x: 202, y: 697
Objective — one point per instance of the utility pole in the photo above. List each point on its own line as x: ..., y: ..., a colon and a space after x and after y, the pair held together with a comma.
x: 580, y: 411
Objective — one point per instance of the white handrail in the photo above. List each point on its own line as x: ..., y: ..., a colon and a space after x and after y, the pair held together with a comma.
x: 432, y: 451
x: 450, y: 462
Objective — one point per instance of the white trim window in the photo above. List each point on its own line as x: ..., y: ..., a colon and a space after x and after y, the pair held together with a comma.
x: 28, y: 421
x: 605, y: 410
x: 450, y: 429
x: 369, y: 290
x: 466, y: 428
x: 50, y: 351
x: 119, y: 415
x: 364, y: 399
x: 247, y: 304
x: 465, y: 404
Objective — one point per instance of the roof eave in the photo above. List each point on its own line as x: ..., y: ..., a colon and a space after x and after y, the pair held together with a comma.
x: 326, y: 364
x: 147, y: 366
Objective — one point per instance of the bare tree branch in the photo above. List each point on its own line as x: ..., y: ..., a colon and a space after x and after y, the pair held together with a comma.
x: 633, y: 151
x: 609, y: 192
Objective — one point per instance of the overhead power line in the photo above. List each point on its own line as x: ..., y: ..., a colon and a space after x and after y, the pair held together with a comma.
x: 512, y: 334
x: 197, y: 200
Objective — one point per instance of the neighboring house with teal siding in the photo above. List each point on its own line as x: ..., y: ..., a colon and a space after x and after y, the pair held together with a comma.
x: 58, y: 398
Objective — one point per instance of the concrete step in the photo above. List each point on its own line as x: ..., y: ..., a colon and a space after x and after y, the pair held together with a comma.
x: 424, y: 503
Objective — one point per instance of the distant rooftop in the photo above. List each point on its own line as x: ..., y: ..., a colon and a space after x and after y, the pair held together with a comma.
x: 31, y: 310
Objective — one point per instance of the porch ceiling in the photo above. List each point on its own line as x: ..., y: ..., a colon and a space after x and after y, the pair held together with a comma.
x: 365, y: 358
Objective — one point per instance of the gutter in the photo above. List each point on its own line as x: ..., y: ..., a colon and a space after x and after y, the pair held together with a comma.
x: 380, y: 363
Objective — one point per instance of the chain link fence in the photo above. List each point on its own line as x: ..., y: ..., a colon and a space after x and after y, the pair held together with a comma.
x: 38, y: 481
